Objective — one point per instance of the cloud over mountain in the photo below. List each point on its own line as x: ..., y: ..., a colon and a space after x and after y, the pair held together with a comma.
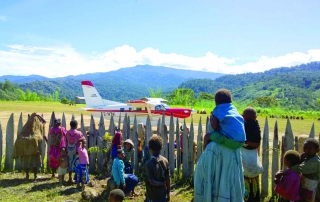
x: 54, y: 61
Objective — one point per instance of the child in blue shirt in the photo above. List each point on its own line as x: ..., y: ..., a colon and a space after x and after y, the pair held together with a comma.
x: 227, y: 125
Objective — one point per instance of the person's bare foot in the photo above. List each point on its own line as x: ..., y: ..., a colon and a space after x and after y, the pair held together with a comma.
x: 27, y: 176
x: 70, y: 180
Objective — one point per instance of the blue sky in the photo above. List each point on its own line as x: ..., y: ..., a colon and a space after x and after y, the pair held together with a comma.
x: 104, y: 35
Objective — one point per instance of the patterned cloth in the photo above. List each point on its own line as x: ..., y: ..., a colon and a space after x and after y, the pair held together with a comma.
x: 57, y: 141
x: 81, y: 174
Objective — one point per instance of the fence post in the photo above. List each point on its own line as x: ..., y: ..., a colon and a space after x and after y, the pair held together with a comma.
x: 8, y: 163
x: 148, y: 132
x: 282, y: 153
x: 163, y: 133
x: 288, y: 138
x: 124, y: 127
x: 178, y: 147
x: 111, y: 126
x: 199, y: 140
x: 275, y: 156
x: 18, y: 160
x: 92, y: 143
x: 119, y: 122
x: 171, y: 146
x: 101, y: 132
x: 191, y: 149
x: 44, y: 147
x: 135, y: 142
x: 312, y: 133
x: 53, y: 116
x: 207, y: 124
x: 128, y: 128
x: 185, y: 156
x: 83, y: 131
x: 72, y: 117
x: 63, y: 121
x: 1, y: 145
x: 265, y: 161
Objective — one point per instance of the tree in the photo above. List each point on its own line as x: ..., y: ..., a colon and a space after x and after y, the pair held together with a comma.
x: 182, y: 96
x: 64, y: 100
x: 157, y: 94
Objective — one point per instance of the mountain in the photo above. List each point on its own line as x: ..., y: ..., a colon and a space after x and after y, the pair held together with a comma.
x: 120, y: 85
x: 295, y: 87
x: 22, y: 79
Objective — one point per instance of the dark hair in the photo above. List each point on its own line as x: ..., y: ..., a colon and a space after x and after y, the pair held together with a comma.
x: 63, y: 149
x: 313, y: 141
x: 118, y: 194
x: 155, y: 143
x: 119, y: 151
x: 250, y: 113
x: 57, y: 121
x: 293, y: 157
x: 73, y: 124
x: 223, y: 96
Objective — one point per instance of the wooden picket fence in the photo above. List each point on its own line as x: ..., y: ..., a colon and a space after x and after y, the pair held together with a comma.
x: 95, y: 139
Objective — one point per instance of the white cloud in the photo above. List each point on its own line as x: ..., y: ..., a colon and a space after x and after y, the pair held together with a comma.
x: 3, y: 18
x: 65, y: 60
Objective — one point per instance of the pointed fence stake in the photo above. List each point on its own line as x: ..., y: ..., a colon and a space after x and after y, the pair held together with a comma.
x: 265, y: 161
x: 275, y: 156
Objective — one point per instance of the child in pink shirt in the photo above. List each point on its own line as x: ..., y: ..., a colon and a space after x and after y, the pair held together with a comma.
x: 287, y: 181
x: 81, y: 175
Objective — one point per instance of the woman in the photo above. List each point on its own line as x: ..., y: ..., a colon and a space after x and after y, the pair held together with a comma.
x: 57, y: 134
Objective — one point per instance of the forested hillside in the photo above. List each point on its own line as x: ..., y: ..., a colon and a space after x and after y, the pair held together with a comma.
x: 120, y: 85
x: 294, y: 88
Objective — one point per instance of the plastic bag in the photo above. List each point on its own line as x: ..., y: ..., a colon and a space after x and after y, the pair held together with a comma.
x: 251, y: 162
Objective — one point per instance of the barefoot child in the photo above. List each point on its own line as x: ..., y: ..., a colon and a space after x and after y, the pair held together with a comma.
x: 310, y: 170
x: 63, y: 165
x: 81, y: 176
x: 287, y: 181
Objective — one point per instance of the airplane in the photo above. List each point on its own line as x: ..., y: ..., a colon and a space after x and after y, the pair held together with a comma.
x: 154, y: 107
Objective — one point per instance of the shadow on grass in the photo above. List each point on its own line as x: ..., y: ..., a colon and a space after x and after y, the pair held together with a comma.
x: 17, y: 182
x: 41, y: 187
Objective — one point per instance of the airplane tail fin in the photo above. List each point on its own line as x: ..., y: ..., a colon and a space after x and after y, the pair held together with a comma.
x: 91, y: 95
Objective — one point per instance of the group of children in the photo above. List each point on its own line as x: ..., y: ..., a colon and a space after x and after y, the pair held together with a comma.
x: 66, y: 160
x: 156, y: 171
x: 300, y: 180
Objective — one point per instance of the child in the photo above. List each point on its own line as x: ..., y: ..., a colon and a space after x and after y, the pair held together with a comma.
x: 287, y: 181
x: 116, y: 195
x: 129, y: 156
x: 126, y: 182
x: 157, y: 173
x: 81, y: 176
x: 227, y: 125
x: 63, y: 165
x: 310, y: 169
x: 249, y: 150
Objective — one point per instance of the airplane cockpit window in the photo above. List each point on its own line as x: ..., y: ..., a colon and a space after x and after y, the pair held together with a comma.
x: 165, y: 106
x: 158, y: 107
x: 162, y: 107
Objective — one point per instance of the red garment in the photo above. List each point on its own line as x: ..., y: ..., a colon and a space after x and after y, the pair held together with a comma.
x: 117, y: 139
x: 289, y: 185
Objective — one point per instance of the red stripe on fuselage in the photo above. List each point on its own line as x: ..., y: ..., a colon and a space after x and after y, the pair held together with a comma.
x: 178, y: 113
